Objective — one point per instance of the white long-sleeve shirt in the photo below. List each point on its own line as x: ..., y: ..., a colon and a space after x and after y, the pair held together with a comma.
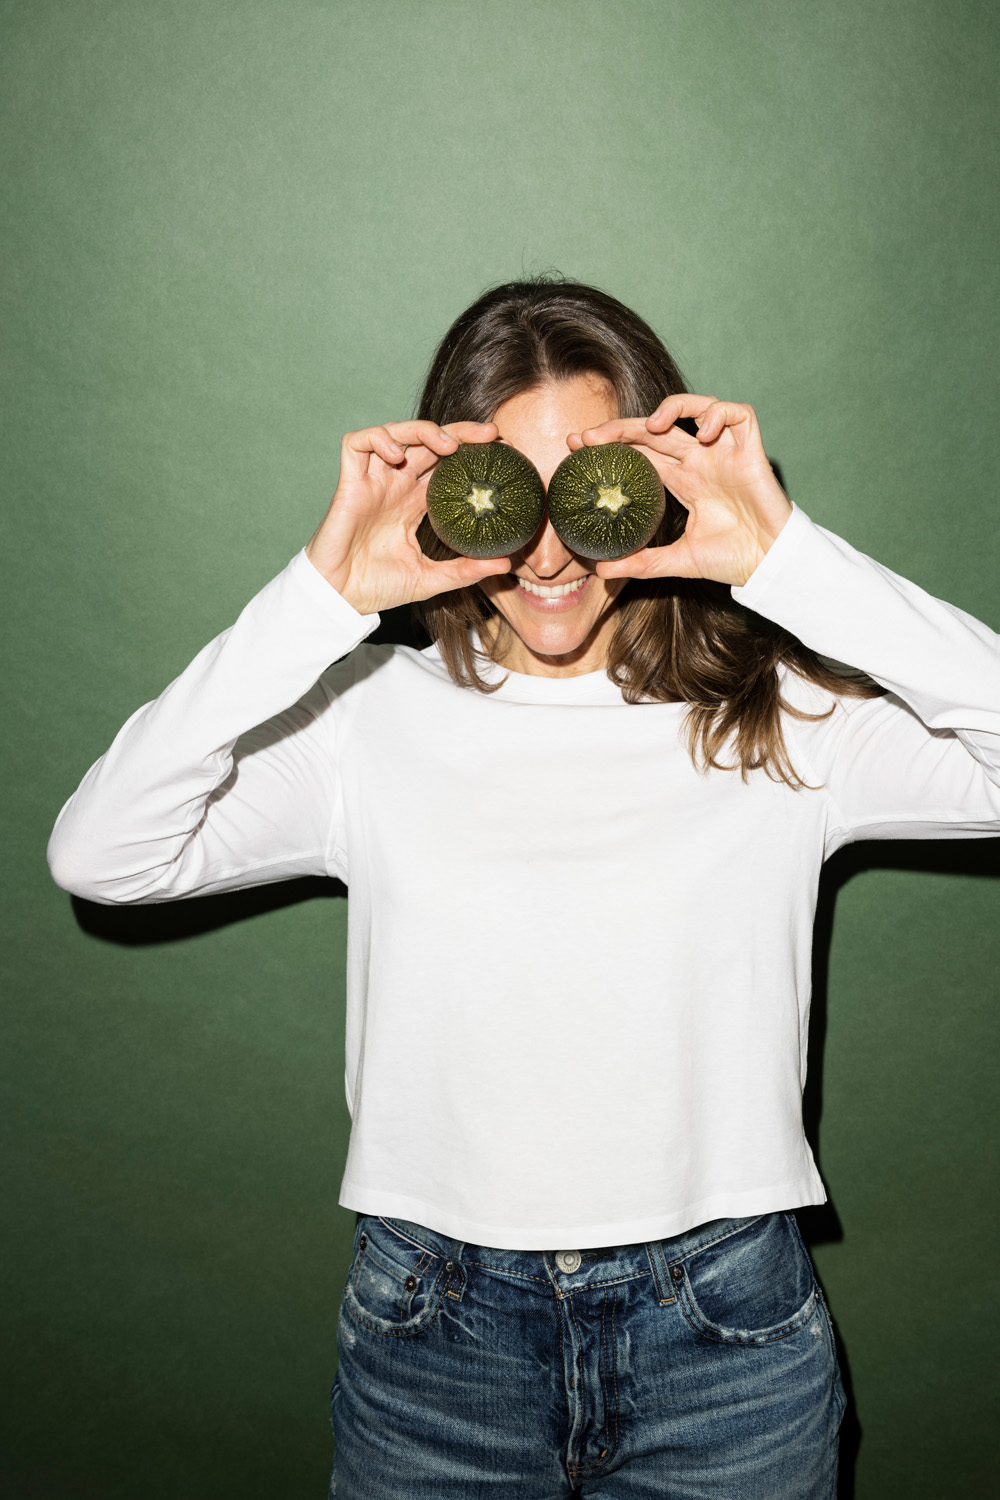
x: 578, y: 968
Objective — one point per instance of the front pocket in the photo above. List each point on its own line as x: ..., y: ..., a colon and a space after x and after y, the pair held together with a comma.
x: 394, y: 1286
x: 752, y: 1285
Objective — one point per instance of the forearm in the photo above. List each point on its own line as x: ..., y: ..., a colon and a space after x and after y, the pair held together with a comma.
x: 137, y: 828
x: 941, y: 661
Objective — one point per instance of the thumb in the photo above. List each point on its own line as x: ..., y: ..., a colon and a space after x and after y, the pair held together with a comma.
x: 461, y: 572
x: 672, y: 561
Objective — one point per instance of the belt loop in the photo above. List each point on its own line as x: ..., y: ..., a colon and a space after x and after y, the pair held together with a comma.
x: 658, y: 1266
x: 454, y: 1285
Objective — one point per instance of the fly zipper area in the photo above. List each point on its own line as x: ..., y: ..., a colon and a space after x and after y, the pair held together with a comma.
x: 590, y: 1369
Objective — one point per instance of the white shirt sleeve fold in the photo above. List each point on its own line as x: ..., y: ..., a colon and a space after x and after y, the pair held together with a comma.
x: 229, y: 777
x: 923, y: 761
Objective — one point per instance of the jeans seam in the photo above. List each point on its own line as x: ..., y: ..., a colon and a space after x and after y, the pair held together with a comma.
x: 717, y: 1239
x: 613, y: 1443
x: 359, y: 1315
x: 692, y: 1250
x: 409, y: 1238
x: 611, y: 1428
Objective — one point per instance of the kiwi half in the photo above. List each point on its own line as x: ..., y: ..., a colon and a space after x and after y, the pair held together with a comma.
x: 485, y: 500
x: 606, y: 501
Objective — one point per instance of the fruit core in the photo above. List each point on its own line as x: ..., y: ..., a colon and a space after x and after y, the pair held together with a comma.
x: 610, y: 497
x: 480, y: 498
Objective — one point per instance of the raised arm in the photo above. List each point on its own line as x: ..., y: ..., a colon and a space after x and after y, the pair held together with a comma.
x: 921, y: 762
x: 171, y: 809
x: 229, y: 778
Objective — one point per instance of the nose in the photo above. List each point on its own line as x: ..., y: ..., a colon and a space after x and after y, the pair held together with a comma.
x: 546, y: 554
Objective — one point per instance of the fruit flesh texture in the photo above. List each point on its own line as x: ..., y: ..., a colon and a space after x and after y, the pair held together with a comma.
x: 485, y: 500
x: 606, y: 501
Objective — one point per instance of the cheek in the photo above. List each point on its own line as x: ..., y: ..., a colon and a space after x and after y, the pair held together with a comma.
x: 498, y: 593
x: 604, y: 597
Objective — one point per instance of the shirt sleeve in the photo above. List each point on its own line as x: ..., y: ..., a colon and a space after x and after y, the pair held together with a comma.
x: 924, y: 760
x: 229, y: 777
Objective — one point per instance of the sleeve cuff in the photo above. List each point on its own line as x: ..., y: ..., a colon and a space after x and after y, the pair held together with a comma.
x: 782, y: 555
x: 310, y: 580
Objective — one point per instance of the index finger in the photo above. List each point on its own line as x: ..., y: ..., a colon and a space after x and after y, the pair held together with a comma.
x: 684, y: 404
x: 422, y: 455
x: 439, y: 439
x: 673, y: 443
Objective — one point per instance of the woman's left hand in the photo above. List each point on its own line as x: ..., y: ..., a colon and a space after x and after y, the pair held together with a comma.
x: 735, y: 505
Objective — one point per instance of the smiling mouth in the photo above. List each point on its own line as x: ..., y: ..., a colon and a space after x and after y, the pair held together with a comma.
x: 555, y: 591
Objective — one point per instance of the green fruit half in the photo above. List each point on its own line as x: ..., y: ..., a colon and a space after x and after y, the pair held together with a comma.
x: 485, y: 500
x: 606, y: 501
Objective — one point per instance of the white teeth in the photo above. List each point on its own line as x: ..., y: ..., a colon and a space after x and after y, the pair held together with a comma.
x: 555, y: 592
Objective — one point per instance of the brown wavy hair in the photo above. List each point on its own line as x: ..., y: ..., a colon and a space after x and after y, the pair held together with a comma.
x: 676, y: 640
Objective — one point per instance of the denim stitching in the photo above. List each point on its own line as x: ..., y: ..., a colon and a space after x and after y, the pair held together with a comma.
x: 612, y: 1445
x: 359, y: 1257
x: 526, y: 1276
x: 838, y: 1381
x: 699, y: 1323
x: 394, y: 1333
x: 360, y: 1315
x: 695, y: 1317
x: 580, y: 1471
x: 573, y: 1464
x: 743, y: 1224
x: 408, y: 1238
x: 406, y: 1297
x: 502, y: 1271
x: 707, y: 1244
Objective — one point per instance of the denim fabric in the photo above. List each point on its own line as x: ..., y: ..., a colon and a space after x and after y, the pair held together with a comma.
x: 687, y: 1368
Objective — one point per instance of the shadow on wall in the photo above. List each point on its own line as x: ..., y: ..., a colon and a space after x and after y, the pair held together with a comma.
x: 820, y: 1224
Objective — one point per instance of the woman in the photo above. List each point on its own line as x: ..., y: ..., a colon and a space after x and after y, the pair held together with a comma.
x: 583, y: 833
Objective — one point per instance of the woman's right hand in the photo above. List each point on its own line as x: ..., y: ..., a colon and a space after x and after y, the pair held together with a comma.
x: 366, y: 546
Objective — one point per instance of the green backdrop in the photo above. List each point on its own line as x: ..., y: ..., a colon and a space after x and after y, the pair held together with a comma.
x: 234, y: 230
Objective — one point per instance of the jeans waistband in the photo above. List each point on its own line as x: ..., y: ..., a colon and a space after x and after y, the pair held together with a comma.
x: 601, y: 1264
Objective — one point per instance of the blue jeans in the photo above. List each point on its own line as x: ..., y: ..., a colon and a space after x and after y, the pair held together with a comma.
x: 700, y: 1367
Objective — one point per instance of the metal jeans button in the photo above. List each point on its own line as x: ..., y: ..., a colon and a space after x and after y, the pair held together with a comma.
x: 568, y: 1260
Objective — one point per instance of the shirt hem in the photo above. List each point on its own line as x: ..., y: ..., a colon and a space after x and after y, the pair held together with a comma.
x: 798, y: 1193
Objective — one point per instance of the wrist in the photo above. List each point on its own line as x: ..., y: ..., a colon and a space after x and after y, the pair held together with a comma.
x: 770, y: 528
x: 338, y: 577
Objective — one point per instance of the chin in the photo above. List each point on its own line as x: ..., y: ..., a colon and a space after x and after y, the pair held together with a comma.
x: 555, y: 640
x: 559, y: 636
